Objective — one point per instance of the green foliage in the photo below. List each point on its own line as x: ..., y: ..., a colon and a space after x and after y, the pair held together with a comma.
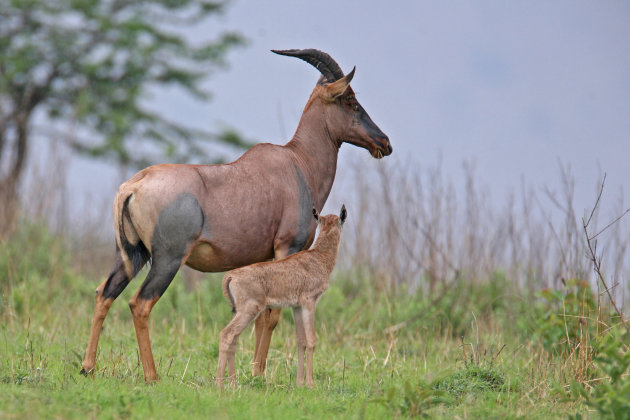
x: 610, y: 395
x: 413, y: 400
x: 32, y: 254
x: 564, y: 319
x: 95, y: 62
x: 472, y: 379
x: 459, y: 307
x: 361, y: 371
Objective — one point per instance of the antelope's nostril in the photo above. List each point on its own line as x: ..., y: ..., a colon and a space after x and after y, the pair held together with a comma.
x: 389, y: 149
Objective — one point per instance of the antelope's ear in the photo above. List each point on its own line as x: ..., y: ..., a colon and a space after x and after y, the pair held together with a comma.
x: 343, y: 214
x: 337, y: 88
x: 315, y: 215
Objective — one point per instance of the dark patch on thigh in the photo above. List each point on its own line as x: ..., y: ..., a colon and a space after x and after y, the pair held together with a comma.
x: 305, y: 216
x: 178, y: 225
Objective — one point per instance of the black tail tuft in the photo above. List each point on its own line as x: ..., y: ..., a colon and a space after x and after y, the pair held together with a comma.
x: 138, y: 254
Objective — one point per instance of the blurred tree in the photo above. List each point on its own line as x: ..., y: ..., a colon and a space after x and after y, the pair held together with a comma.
x: 92, y: 62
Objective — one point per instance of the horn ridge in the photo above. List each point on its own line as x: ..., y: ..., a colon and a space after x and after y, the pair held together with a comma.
x: 323, y: 62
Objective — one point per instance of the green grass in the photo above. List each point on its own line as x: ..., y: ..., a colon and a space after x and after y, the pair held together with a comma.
x: 362, y: 370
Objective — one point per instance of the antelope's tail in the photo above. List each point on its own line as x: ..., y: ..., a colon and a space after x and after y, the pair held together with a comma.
x: 132, y: 250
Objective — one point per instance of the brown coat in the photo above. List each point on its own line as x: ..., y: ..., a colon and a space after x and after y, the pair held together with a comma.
x: 297, y: 281
x: 219, y: 217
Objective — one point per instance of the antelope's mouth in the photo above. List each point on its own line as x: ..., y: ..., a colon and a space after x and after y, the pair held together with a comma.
x: 381, y: 150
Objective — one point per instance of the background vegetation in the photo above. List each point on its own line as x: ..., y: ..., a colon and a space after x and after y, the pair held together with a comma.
x: 445, y: 303
x: 439, y: 340
x: 92, y: 65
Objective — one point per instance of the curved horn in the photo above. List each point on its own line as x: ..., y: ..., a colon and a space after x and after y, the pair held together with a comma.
x: 319, y: 59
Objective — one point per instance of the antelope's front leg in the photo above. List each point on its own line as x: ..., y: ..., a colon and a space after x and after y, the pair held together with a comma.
x: 264, y: 326
x: 266, y: 322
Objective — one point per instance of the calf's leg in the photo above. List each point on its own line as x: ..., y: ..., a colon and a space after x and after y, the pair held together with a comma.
x: 308, y: 319
x: 301, y: 343
x: 229, y: 339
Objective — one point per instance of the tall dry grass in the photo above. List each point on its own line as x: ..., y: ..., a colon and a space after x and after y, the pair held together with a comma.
x: 416, y: 228
x: 83, y: 223
x: 411, y: 227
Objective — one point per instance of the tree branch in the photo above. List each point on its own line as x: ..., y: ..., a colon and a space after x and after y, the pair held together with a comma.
x: 21, y: 148
x: 592, y: 250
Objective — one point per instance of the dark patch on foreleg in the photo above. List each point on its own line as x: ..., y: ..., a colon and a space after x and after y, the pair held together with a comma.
x: 305, y: 216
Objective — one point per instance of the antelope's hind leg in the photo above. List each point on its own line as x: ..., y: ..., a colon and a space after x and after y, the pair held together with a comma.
x: 159, y: 278
x: 106, y: 293
x: 178, y: 226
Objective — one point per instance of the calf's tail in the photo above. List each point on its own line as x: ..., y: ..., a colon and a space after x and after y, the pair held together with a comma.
x: 227, y: 293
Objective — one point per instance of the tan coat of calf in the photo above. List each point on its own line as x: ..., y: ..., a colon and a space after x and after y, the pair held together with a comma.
x: 296, y: 282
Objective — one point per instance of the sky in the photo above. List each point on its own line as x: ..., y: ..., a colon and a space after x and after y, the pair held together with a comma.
x: 517, y: 88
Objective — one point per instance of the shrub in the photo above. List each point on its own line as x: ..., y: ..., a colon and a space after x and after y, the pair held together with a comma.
x: 565, y: 321
x: 609, y: 396
x: 413, y: 400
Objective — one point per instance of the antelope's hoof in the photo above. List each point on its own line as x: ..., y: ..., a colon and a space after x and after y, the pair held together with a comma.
x: 86, y: 372
x: 258, y: 371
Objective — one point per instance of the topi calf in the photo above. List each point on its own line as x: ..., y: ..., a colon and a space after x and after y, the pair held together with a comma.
x: 297, y: 281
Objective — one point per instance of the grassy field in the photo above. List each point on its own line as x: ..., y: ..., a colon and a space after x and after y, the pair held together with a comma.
x: 476, y: 352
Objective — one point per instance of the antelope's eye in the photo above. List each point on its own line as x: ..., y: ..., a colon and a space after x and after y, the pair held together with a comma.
x: 355, y: 107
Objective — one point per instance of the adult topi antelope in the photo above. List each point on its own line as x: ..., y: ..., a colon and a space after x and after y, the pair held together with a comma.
x: 219, y: 217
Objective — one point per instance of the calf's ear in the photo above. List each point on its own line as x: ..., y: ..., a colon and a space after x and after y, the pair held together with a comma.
x: 343, y: 214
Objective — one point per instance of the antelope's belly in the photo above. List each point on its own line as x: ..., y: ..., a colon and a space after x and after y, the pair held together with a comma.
x: 209, y: 258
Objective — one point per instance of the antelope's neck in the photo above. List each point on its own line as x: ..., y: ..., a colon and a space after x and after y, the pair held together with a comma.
x: 316, y: 153
x: 327, y: 245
